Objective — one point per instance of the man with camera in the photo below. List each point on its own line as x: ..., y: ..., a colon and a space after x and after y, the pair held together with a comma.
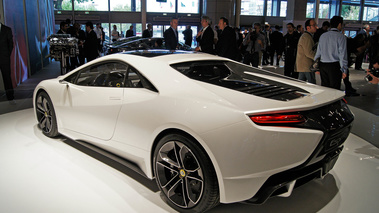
x: 254, y: 42
x: 373, y: 73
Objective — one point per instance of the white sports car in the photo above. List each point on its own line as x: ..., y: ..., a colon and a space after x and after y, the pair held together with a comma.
x: 207, y: 128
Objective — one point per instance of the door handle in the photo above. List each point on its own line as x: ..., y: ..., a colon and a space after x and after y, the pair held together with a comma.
x: 115, y: 98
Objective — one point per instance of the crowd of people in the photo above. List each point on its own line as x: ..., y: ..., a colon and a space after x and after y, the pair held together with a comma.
x: 301, y: 48
x: 90, y: 41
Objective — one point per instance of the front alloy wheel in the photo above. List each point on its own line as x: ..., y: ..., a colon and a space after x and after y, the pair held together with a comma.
x: 46, y: 115
x: 184, y: 175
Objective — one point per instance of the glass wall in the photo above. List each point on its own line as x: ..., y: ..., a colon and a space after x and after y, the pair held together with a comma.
x: 98, y: 5
x: 350, y: 9
x: 324, y: 10
x: 283, y: 8
x: 62, y: 5
x: 125, y: 5
x: 311, y: 7
x: 276, y: 8
x: 158, y: 31
x: 252, y: 7
x: 351, y: 34
x: 371, y: 10
x: 188, y: 6
x: 123, y: 27
x: 168, y: 6
x: 327, y: 8
x: 269, y: 8
x: 181, y: 35
x: 160, y: 7
x: 257, y: 7
x: 91, y: 5
x: 106, y: 28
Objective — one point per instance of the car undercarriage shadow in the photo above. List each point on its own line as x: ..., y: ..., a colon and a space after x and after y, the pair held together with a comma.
x: 150, y: 184
x: 310, y: 197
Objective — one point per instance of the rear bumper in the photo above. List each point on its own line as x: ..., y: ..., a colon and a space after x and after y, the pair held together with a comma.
x: 284, y: 182
x: 335, y: 120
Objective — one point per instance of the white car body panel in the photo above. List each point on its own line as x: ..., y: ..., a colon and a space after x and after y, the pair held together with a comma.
x: 129, y: 119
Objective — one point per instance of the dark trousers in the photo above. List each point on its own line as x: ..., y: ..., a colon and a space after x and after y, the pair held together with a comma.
x: 359, y: 61
x: 252, y: 58
x: 348, y: 87
x: 289, y: 67
x: 6, y: 72
x: 331, y: 75
x: 268, y: 55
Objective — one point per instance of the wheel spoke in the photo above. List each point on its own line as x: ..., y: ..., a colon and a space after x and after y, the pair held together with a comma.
x: 166, y: 175
x: 194, y: 190
x: 177, y: 194
x: 45, y: 105
x: 48, y: 124
x: 188, y: 160
x: 42, y: 122
x: 40, y: 111
x: 39, y: 105
x: 168, y: 154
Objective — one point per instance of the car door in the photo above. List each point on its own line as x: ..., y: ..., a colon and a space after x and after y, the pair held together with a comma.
x: 92, y: 103
x: 139, y: 112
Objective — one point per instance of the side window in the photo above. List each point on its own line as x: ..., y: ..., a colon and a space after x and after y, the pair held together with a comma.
x: 133, y: 80
x: 111, y: 74
x: 72, y: 78
x: 136, y: 80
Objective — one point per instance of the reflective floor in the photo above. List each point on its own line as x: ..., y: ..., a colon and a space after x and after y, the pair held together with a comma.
x: 39, y: 174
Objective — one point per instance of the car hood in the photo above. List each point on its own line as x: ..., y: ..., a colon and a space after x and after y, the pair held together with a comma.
x: 285, y: 96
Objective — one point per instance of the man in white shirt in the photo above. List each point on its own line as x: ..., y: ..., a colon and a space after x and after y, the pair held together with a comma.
x: 115, y: 33
x: 97, y: 30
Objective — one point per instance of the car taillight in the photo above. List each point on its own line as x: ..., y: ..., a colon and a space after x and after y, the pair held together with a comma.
x: 277, y: 119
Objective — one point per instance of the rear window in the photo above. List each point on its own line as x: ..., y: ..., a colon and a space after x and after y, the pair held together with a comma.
x: 241, y: 78
x: 210, y: 72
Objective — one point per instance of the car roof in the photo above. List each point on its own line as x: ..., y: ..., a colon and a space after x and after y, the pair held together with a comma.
x: 168, y: 57
x: 157, y: 52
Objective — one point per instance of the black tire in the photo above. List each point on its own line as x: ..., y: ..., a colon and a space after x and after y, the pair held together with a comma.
x: 47, y: 120
x: 182, y: 168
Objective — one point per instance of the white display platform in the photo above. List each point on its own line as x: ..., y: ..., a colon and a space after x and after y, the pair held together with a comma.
x: 39, y: 174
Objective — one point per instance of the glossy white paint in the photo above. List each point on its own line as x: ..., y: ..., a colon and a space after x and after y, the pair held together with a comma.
x: 126, y: 121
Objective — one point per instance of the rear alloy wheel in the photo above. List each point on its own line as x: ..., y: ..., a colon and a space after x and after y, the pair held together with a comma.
x: 185, y: 175
x: 47, y: 121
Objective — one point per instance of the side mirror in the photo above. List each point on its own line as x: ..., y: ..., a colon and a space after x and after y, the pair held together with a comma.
x: 64, y: 82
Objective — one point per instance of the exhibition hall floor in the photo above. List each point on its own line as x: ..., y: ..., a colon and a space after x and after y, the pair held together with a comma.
x: 40, y: 174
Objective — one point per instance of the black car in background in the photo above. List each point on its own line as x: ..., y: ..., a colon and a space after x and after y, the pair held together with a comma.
x: 139, y: 43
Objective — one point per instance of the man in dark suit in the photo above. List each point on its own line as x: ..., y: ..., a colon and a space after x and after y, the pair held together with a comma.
x: 6, y: 48
x: 90, y: 45
x: 205, y: 37
x: 63, y: 28
x: 130, y: 32
x: 188, y: 35
x: 362, y: 41
x: 226, y: 45
x: 148, y: 33
x: 171, y: 35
